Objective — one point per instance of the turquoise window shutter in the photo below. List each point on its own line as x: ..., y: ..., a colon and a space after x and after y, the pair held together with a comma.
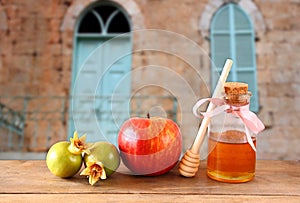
x: 101, y: 75
x: 232, y: 36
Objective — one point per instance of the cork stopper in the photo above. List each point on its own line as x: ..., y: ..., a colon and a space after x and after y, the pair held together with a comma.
x: 236, y: 88
x: 236, y: 93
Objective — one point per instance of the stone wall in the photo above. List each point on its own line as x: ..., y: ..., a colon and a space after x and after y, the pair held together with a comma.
x: 36, y: 44
x: 278, y: 52
x: 32, y: 65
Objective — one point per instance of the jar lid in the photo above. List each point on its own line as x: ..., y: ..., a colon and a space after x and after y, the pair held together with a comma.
x: 236, y: 88
x: 236, y: 93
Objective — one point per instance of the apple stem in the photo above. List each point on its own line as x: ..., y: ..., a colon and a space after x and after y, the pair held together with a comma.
x: 148, y: 115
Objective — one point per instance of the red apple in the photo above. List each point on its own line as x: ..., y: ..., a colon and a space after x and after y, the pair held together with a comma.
x: 150, y: 146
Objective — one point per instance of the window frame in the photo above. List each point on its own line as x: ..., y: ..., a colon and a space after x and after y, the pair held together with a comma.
x: 232, y: 34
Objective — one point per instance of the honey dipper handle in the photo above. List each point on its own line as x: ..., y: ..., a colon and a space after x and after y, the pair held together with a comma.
x: 217, y: 93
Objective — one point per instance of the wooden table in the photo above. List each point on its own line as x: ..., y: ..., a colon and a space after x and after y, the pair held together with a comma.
x: 21, y: 181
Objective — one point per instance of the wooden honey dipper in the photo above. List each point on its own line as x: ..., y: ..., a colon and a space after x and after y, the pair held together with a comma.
x: 190, y: 162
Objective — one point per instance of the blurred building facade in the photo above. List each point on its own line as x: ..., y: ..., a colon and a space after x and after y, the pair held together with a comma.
x: 48, y: 58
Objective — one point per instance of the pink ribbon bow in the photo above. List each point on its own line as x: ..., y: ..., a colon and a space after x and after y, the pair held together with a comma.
x: 250, y: 120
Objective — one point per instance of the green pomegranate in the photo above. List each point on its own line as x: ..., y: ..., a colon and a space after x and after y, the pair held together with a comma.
x: 102, y: 160
x: 61, y: 162
x: 107, y: 154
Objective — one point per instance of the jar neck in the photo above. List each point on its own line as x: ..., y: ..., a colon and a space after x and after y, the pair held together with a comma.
x: 237, y: 100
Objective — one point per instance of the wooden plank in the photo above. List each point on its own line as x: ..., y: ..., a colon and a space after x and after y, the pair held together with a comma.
x: 129, y: 198
x: 273, y: 178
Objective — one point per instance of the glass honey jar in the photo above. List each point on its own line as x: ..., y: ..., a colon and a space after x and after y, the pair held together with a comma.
x: 231, y: 143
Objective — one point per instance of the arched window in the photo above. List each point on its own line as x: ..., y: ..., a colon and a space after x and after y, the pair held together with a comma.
x: 232, y: 36
x: 101, y: 70
x: 104, y: 19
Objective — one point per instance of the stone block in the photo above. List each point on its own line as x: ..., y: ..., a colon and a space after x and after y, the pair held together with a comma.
x: 55, y: 37
x: 53, y: 9
x: 15, y: 24
x: 271, y: 144
x: 12, y: 11
x: 280, y: 77
x: 264, y: 76
x: 279, y: 90
x: 297, y: 104
x: 269, y: 104
x: 55, y: 49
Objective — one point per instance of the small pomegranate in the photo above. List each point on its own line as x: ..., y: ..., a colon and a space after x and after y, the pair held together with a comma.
x: 102, y: 161
x: 64, y: 158
x: 61, y: 162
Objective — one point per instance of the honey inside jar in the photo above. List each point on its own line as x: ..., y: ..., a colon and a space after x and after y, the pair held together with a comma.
x: 231, y: 158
